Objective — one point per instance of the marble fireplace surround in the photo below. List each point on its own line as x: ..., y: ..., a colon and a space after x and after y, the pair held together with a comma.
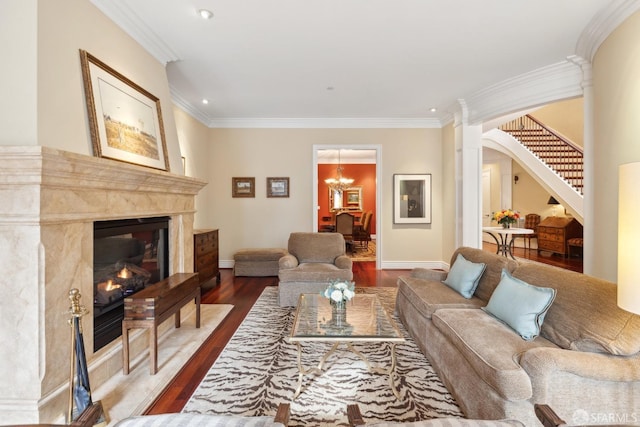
x: 49, y: 201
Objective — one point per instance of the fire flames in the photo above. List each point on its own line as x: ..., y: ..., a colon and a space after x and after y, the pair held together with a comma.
x: 125, y: 273
x: 108, y: 286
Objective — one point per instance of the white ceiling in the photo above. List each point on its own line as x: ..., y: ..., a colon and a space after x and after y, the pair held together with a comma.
x: 347, y: 59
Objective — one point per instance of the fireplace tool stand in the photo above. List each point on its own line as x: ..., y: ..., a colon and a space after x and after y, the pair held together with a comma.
x: 79, y: 389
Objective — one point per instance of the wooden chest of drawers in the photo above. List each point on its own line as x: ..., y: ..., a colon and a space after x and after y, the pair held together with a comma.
x: 205, y: 254
x: 554, y: 231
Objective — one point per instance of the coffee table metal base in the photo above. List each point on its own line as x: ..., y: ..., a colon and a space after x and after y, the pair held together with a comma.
x: 390, y: 371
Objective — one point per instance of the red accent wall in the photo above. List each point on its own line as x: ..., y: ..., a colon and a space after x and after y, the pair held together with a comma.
x: 364, y: 175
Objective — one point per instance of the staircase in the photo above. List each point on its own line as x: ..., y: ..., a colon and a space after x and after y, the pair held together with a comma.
x: 561, y: 155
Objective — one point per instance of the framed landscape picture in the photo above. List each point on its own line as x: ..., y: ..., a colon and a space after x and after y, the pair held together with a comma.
x: 125, y: 120
x: 352, y: 196
x: 243, y: 187
x: 412, y: 199
x: 277, y: 187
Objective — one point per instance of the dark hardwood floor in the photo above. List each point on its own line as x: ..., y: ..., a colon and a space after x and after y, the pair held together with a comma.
x: 573, y: 263
x: 242, y: 292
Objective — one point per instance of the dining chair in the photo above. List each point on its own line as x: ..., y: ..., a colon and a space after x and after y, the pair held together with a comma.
x: 362, y: 235
x: 344, y: 226
x: 531, y: 222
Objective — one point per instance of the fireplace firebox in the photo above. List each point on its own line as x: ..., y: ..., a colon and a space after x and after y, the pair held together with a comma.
x: 128, y: 255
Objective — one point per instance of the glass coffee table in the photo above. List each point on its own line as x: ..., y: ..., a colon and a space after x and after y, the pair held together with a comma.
x: 364, y: 320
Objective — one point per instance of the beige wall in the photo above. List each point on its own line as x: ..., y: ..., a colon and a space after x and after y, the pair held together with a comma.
x: 196, y: 147
x: 18, y: 103
x: 565, y: 117
x: 616, y: 68
x: 496, y: 186
x: 42, y: 76
x: 530, y: 197
x: 262, y: 153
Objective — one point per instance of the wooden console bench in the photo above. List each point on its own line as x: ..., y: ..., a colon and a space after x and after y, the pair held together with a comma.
x: 153, y: 305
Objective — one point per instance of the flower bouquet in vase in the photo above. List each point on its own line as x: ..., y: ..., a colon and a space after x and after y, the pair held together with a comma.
x: 339, y: 292
x: 506, y: 217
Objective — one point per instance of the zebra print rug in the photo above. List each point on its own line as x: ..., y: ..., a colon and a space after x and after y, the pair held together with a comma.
x: 257, y: 370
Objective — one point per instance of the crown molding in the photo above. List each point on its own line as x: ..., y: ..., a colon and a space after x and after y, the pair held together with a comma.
x: 121, y: 14
x: 321, y: 123
x: 185, y: 105
x: 301, y: 123
x: 548, y: 84
x: 602, y: 25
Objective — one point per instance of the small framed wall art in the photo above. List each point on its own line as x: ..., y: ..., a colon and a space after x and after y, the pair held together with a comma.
x: 243, y: 187
x: 412, y: 199
x: 278, y: 187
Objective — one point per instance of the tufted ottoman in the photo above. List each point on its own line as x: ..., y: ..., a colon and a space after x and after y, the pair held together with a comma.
x: 257, y: 262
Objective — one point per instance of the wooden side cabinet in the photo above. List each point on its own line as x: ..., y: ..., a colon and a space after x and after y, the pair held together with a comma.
x: 206, y: 254
x: 554, y: 231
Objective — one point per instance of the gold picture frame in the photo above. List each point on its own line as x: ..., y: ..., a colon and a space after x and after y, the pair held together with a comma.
x: 125, y: 120
x: 243, y: 187
x: 278, y: 187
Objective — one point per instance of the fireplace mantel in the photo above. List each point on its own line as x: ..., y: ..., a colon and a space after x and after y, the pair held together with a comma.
x: 50, y: 199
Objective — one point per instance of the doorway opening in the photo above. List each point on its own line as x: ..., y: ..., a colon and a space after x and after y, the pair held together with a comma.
x: 361, y: 162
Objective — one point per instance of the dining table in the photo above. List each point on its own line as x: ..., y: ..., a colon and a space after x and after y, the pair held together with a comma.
x: 505, y: 237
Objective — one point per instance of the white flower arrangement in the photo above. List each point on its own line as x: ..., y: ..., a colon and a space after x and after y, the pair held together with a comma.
x: 339, y: 291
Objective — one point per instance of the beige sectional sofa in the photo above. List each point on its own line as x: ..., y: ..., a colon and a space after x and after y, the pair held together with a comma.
x: 585, y: 363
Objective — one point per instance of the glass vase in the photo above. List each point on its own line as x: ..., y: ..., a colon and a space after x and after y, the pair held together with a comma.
x: 339, y: 313
x: 339, y: 305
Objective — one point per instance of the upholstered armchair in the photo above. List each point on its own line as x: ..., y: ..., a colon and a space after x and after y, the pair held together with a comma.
x: 314, y: 259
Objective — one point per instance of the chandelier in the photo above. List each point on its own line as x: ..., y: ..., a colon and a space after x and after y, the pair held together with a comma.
x: 339, y: 183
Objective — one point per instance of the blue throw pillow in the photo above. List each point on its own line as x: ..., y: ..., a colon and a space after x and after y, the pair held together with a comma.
x: 464, y: 276
x: 520, y: 305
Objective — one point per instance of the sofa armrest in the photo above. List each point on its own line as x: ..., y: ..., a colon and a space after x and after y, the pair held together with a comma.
x: 287, y: 262
x: 343, y: 262
x: 426, y: 274
x: 548, y: 361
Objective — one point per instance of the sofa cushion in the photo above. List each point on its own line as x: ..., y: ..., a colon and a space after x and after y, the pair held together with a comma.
x: 584, y: 315
x: 464, y: 276
x: 494, y: 359
x: 316, y: 247
x: 520, y: 305
x: 261, y: 254
x: 314, y: 272
x: 429, y: 295
x: 495, y: 265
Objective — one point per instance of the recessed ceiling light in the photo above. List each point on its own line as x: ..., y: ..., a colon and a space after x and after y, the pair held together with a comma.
x: 205, y: 14
x: 433, y: 109
x: 205, y: 101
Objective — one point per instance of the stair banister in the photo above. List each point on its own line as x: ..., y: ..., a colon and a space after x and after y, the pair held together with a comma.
x: 542, y: 173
